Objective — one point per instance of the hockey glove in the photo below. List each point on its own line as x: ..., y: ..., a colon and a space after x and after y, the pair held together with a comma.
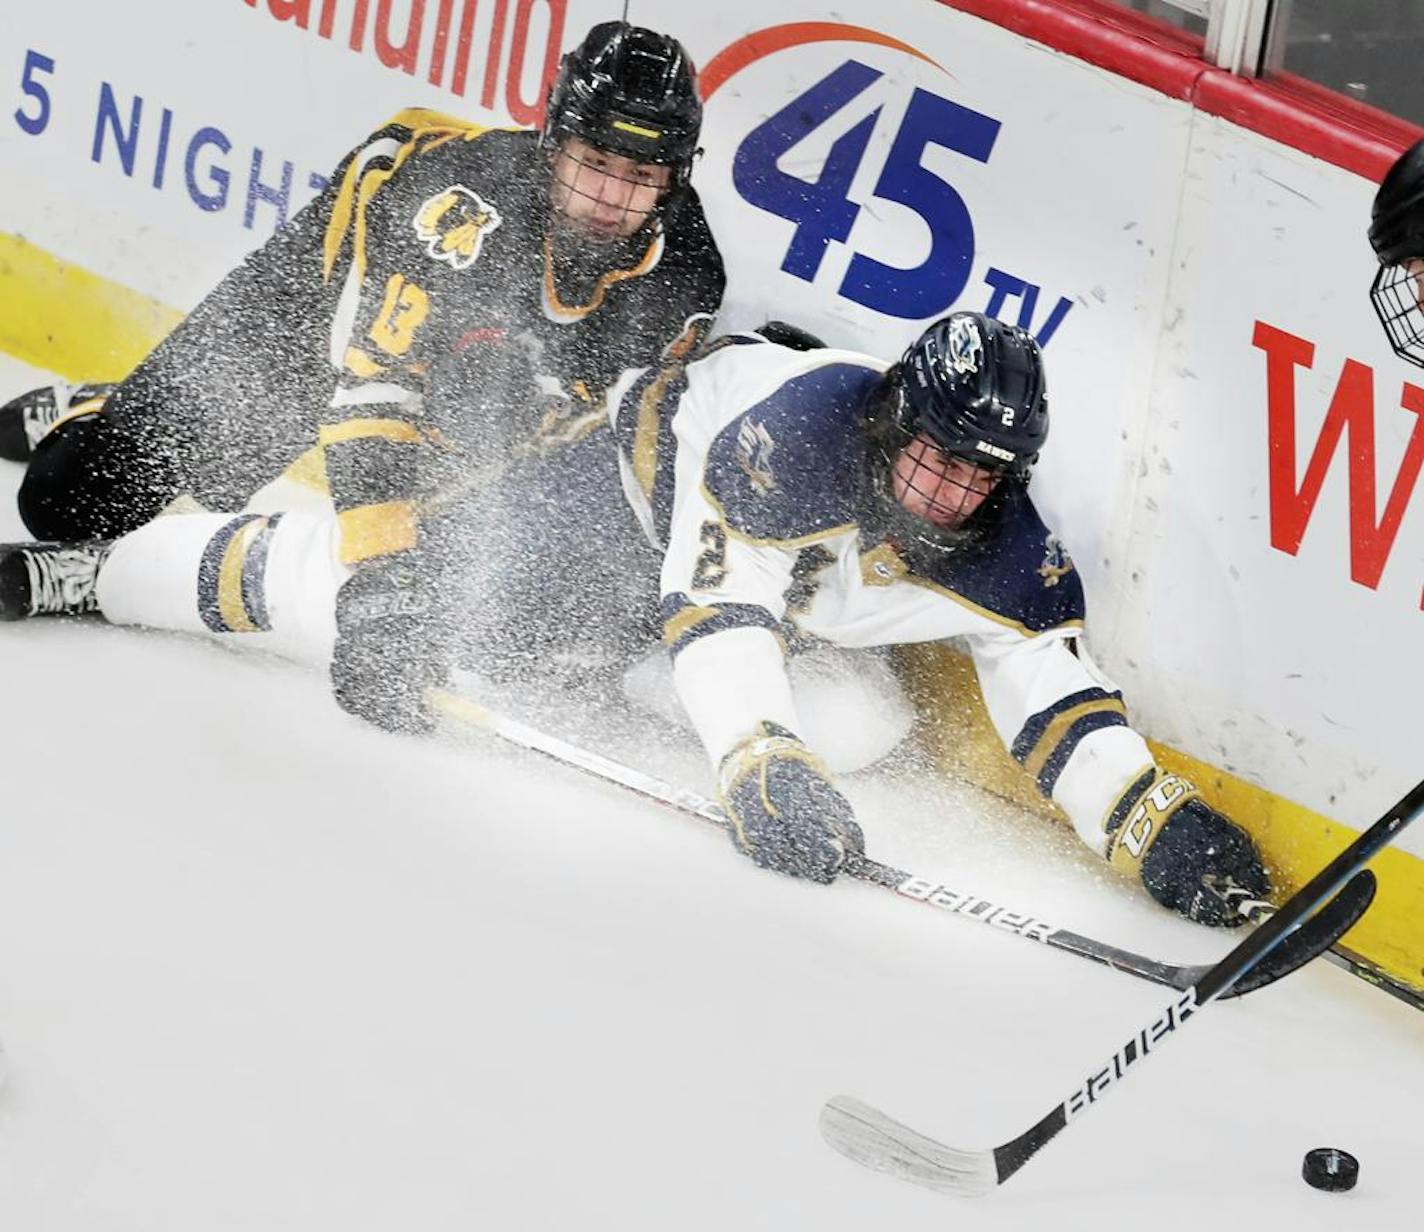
x: 388, y: 644
x: 1186, y: 853
x: 784, y: 812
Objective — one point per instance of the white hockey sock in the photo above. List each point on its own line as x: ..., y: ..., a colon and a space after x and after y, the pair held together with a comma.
x: 271, y: 579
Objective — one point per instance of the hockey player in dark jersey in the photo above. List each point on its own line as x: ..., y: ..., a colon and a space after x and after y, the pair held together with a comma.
x: 458, y: 296
x: 1397, y: 235
x: 817, y: 495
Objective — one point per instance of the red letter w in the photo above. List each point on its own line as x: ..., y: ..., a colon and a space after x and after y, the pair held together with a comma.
x: 1352, y: 410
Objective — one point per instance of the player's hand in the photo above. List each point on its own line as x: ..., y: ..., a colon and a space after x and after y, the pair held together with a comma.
x: 387, y: 645
x: 1186, y: 852
x: 784, y: 811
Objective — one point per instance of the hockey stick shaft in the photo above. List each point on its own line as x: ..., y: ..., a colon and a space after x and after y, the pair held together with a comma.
x: 471, y: 715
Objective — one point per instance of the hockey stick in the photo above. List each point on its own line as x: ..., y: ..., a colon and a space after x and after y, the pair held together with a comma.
x: 1337, y: 955
x: 869, y: 1137
x: 471, y: 715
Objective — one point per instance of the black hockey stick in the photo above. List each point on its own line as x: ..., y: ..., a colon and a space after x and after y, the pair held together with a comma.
x: 1321, y: 933
x: 869, y: 1137
x: 1337, y: 955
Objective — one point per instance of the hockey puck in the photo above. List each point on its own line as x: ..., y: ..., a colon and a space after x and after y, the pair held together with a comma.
x: 1331, y: 1169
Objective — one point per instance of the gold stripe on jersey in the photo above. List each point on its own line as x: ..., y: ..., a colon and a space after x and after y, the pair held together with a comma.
x: 425, y: 130
x: 576, y: 312
x: 1018, y: 626
x: 1054, y: 733
x: 645, y: 433
x: 677, y: 626
x: 358, y: 429
x: 798, y: 541
x: 358, y: 363
x: 376, y: 530
x: 882, y: 566
x: 648, y: 428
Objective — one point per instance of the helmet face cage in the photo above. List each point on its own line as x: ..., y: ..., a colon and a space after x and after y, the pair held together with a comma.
x: 1397, y: 294
x: 942, y: 488
x: 964, y: 410
x: 915, y: 502
x: 631, y: 93
x: 602, y: 196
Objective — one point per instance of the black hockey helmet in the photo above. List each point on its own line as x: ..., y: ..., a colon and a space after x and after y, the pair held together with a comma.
x: 1397, y: 220
x: 629, y: 91
x: 975, y: 387
x: 1397, y: 236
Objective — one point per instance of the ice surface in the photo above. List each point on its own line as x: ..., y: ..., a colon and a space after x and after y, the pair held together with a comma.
x: 263, y: 967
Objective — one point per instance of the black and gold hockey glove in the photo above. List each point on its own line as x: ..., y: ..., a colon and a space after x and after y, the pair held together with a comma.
x: 784, y: 811
x: 1185, y: 852
x: 390, y: 644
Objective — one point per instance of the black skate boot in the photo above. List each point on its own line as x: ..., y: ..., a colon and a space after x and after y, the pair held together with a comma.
x: 49, y: 579
x: 24, y: 421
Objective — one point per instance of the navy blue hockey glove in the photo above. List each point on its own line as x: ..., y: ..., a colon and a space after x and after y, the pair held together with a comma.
x: 784, y: 812
x: 1190, y: 857
x: 389, y: 647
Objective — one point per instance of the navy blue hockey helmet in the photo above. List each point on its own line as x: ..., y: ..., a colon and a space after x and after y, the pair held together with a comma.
x: 1397, y: 236
x: 976, y: 387
x: 972, y: 389
x: 630, y: 91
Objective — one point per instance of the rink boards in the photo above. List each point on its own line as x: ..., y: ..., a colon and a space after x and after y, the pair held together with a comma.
x: 1189, y: 248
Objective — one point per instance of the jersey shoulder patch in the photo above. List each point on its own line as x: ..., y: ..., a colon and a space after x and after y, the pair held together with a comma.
x: 1023, y: 575
x: 788, y: 468
x: 453, y: 223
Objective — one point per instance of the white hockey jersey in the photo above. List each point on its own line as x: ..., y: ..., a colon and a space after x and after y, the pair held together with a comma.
x: 748, y: 467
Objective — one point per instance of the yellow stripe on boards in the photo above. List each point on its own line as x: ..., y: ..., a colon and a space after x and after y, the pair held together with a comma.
x: 397, y: 430
x: 65, y: 319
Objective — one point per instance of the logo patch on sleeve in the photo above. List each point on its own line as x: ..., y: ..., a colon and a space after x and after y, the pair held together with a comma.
x: 453, y: 225
x: 754, y: 450
x: 1056, y: 562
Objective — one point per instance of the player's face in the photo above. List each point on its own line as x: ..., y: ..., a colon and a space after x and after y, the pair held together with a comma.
x: 605, y: 196
x: 1415, y: 269
x: 936, y: 486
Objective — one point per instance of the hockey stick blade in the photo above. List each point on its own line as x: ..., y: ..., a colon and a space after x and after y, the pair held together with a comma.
x: 869, y: 1137
x: 879, y: 1142
x: 469, y: 715
x: 1312, y: 939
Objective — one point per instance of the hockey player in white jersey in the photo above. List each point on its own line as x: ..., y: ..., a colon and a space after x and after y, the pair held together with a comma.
x: 817, y: 495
